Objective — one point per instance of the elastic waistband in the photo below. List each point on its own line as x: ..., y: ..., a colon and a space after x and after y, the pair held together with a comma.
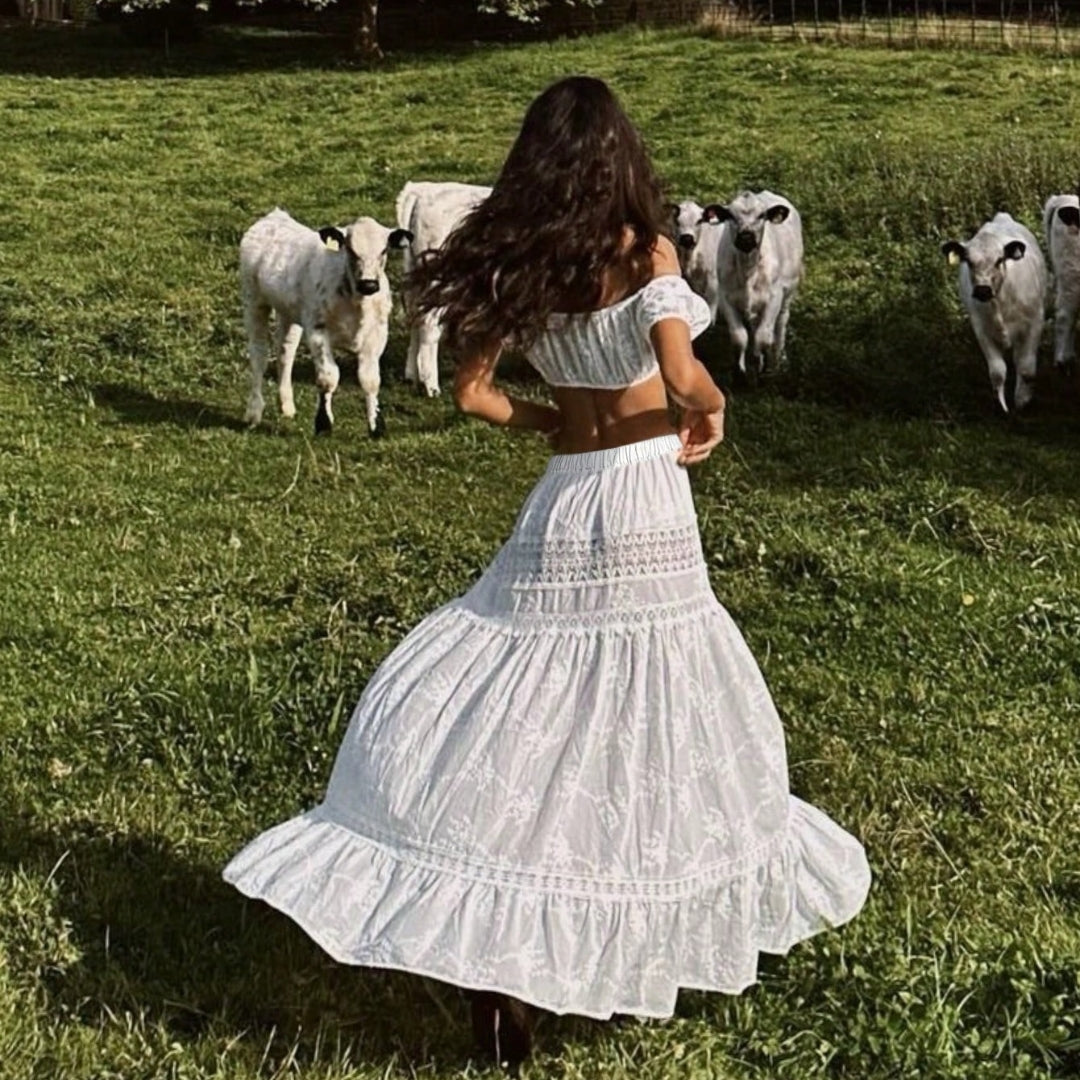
x: 597, y: 460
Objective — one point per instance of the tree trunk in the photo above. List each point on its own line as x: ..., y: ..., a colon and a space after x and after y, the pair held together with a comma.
x: 365, y: 41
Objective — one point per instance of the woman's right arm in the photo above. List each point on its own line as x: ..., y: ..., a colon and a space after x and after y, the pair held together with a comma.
x: 688, y: 382
x: 701, y: 426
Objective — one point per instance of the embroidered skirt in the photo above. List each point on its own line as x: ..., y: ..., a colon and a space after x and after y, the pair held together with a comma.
x: 569, y: 784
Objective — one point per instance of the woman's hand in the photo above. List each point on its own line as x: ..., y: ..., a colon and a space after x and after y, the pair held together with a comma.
x: 699, y: 432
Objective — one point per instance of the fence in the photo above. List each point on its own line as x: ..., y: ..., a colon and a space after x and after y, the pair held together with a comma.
x: 1008, y: 24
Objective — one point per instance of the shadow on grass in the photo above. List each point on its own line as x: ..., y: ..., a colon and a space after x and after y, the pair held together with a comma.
x: 137, y: 406
x: 404, y: 410
x: 861, y: 409
x: 103, y: 52
x: 160, y: 936
x: 826, y: 446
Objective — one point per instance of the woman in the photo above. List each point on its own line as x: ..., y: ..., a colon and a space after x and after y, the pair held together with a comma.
x: 568, y: 787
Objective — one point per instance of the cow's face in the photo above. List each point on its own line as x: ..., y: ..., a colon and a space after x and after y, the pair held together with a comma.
x: 366, y: 244
x: 687, y: 216
x: 748, y: 214
x: 987, y: 258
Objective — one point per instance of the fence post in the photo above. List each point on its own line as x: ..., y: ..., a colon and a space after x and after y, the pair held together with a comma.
x: 840, y: 19
x: 916, y: 23
x: 888, y: 21
x: 1057, y: 29
x: 1002, y: 23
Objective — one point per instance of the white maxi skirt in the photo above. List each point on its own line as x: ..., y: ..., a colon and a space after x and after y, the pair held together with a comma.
x: 569, y: 784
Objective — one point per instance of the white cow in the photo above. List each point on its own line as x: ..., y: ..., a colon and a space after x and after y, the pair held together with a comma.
x: 697, y: 242
x: 760, y: 266
x: 1061, y: 219
x: 430, y: 211
x: 1003, y: 288
x: 328, y: 285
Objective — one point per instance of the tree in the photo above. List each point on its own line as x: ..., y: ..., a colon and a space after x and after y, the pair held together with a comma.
x: 365, y: 36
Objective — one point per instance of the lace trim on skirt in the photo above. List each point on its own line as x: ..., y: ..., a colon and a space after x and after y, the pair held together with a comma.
x: 592, y: 887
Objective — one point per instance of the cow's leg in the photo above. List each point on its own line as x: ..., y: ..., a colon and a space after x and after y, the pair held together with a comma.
x: 765, y: 333
x: 1025, y: 359
x: 780, y: 343
x: 370, y: 344
x: 327, y: 376
x: 1065, y: 311
x: 257, y: 326
x: 288, y: 340
x: 740, y: 338
x: 411, y: 373
x: 427, y: 354
x: 995, y: 363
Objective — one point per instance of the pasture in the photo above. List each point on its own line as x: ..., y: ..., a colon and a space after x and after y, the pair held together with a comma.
x: 188, y: 610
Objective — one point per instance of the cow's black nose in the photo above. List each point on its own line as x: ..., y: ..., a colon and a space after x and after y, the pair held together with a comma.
x: 367, y: 286
x: 745, y: 240
x: 686, y: 240
x: 982, y: 293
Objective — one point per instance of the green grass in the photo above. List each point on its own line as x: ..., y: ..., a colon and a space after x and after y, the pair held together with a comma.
x: 189, y: 610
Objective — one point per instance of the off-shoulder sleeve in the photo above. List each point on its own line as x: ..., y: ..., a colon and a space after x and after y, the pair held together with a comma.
x: 669, y: 297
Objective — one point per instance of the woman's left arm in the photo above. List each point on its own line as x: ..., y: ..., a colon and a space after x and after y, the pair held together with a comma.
x: 476, y: 394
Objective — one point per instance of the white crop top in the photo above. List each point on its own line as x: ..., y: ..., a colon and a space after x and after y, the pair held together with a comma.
x: 610, y: 348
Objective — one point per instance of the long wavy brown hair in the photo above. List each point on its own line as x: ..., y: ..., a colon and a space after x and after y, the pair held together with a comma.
x: 576, y: 177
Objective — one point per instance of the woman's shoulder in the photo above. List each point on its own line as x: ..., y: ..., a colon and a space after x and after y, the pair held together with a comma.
x: 663, y: 256
x: 665, y: 260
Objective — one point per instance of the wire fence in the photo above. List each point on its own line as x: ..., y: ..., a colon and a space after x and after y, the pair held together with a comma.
x: 1035, y: 25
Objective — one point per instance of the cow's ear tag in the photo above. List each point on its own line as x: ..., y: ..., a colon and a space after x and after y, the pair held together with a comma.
x: 954, y: 258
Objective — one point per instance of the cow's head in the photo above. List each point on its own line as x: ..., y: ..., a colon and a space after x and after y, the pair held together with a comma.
x: 687, y: 217
x: 748, y: 214
x: 365, y: 243
x: 987, y: 257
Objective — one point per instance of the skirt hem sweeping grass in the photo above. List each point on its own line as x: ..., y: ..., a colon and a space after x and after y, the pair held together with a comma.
x: 358, y: 900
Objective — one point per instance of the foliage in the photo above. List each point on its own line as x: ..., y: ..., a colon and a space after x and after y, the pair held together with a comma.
x: 527, y: 10
x: 153, y: 22
x: 188, y: 610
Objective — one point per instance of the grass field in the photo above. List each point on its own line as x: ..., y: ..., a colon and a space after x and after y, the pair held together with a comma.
x: 188, y: 610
